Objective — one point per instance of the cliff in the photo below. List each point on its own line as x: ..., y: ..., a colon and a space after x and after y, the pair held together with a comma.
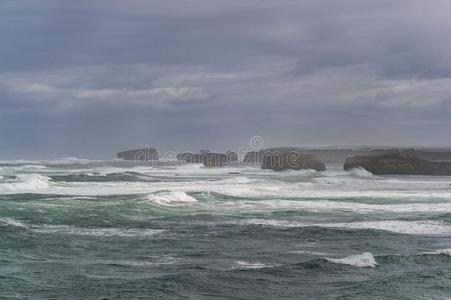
x: 404, y: 163
x: 139, y: 154
x: 340, y: 155
x: 289, y: 158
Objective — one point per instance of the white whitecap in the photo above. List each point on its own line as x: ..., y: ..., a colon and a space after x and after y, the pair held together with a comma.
x: 12, y: 222
x: 360, y: 172
x: 25, y: 183
x: 308, y: 252
x: 251, y: 265
x: 364, y: 260
x: 171, y: 198
x: 446, y: 252
x: 403, y: 227
x: 97, y: 232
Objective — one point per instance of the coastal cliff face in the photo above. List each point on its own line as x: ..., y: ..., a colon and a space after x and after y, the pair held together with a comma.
x: 340, y: 155
x: 190, y: 158
x: 280, y: 159
x: 139, y: 154
x: 214, y: 160
x: 253, y: 157
x: 398, y: 164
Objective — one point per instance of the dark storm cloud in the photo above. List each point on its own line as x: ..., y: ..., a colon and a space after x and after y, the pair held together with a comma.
x: 89, y: 77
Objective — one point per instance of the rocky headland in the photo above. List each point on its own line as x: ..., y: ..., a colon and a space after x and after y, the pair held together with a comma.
x: 404, y: 163
x: 144, y: 154
x: 289, y: 158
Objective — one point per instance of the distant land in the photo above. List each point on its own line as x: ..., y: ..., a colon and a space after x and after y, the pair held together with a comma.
x: 328, y: 154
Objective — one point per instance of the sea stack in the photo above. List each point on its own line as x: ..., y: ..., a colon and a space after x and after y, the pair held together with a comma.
x: 289, y: 158
x: 145, y: 154
x: 213, y: 159
x: 190, y: 158
x: 398, y: 164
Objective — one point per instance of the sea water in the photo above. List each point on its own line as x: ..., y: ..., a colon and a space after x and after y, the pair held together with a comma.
x: 82, y: 229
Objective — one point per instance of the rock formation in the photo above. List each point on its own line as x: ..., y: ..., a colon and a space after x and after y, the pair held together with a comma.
x: 404, y: 163
x: 253, y: 157
x: 232, y: 156
x: 214, y: 160
x: 190, y: 158
x: 139, y: 154
x: 340, y: 155
x: 290, y: 158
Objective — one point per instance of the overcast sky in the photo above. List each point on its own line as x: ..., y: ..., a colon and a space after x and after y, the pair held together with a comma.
x: 89, y: 78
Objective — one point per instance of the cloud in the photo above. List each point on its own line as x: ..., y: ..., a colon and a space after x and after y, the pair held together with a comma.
x: 71, y: 93
x: 301, y: 71
x: 272, y: 85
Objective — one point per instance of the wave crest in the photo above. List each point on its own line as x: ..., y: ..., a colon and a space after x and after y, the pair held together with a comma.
x: 446, y: 252
x: 364, y: 260
x: 360, y: 172
x: 171, y: 198
x: 25, y: 183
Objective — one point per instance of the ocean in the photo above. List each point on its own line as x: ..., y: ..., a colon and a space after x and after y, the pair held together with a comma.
x: 93, y: 229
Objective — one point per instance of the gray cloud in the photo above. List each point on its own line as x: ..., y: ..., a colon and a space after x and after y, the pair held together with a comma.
x: 197, y: 73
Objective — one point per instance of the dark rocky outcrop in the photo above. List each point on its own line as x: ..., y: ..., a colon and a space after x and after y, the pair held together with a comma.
x: 139, y: 154
x: 214, y: 160
x: 190, y: 158
x: 253, y: 157
x: 340, y: 155
x: 289, y: 158
x: 404, y: 163
x: 232, y: 156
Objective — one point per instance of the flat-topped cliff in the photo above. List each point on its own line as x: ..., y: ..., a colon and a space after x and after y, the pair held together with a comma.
x: 290, y: 158
x: 144, y: 154
x: 404, y: 163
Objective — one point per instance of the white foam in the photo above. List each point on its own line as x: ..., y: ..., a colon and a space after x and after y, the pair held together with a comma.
x: 364, y: 260
x: 360, y: 172
x: 403, y: 227
x: 25, y: 183
x: 73, y: 230
x: 99, y: 232
x: 12, y: 222
x: 171, y: 198
x: 308, y: 252
x: 446, y: 252
x: 248, y: 265
x: 256, y: 183
x: 238, y: 180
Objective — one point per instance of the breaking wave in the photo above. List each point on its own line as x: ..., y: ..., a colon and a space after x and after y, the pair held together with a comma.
x: 73, y: 230
x: 248, y: 265
x: 12, y: 222
x: 403, y: 227
x: 364, y: 260
x: 446, y: 252
x: 25, y: 183
x: 171, y: 198
x: 360, y: 172
x: 98, y: 232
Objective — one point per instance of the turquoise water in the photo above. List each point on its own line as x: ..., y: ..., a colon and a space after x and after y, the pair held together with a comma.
x: 80, y: 229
